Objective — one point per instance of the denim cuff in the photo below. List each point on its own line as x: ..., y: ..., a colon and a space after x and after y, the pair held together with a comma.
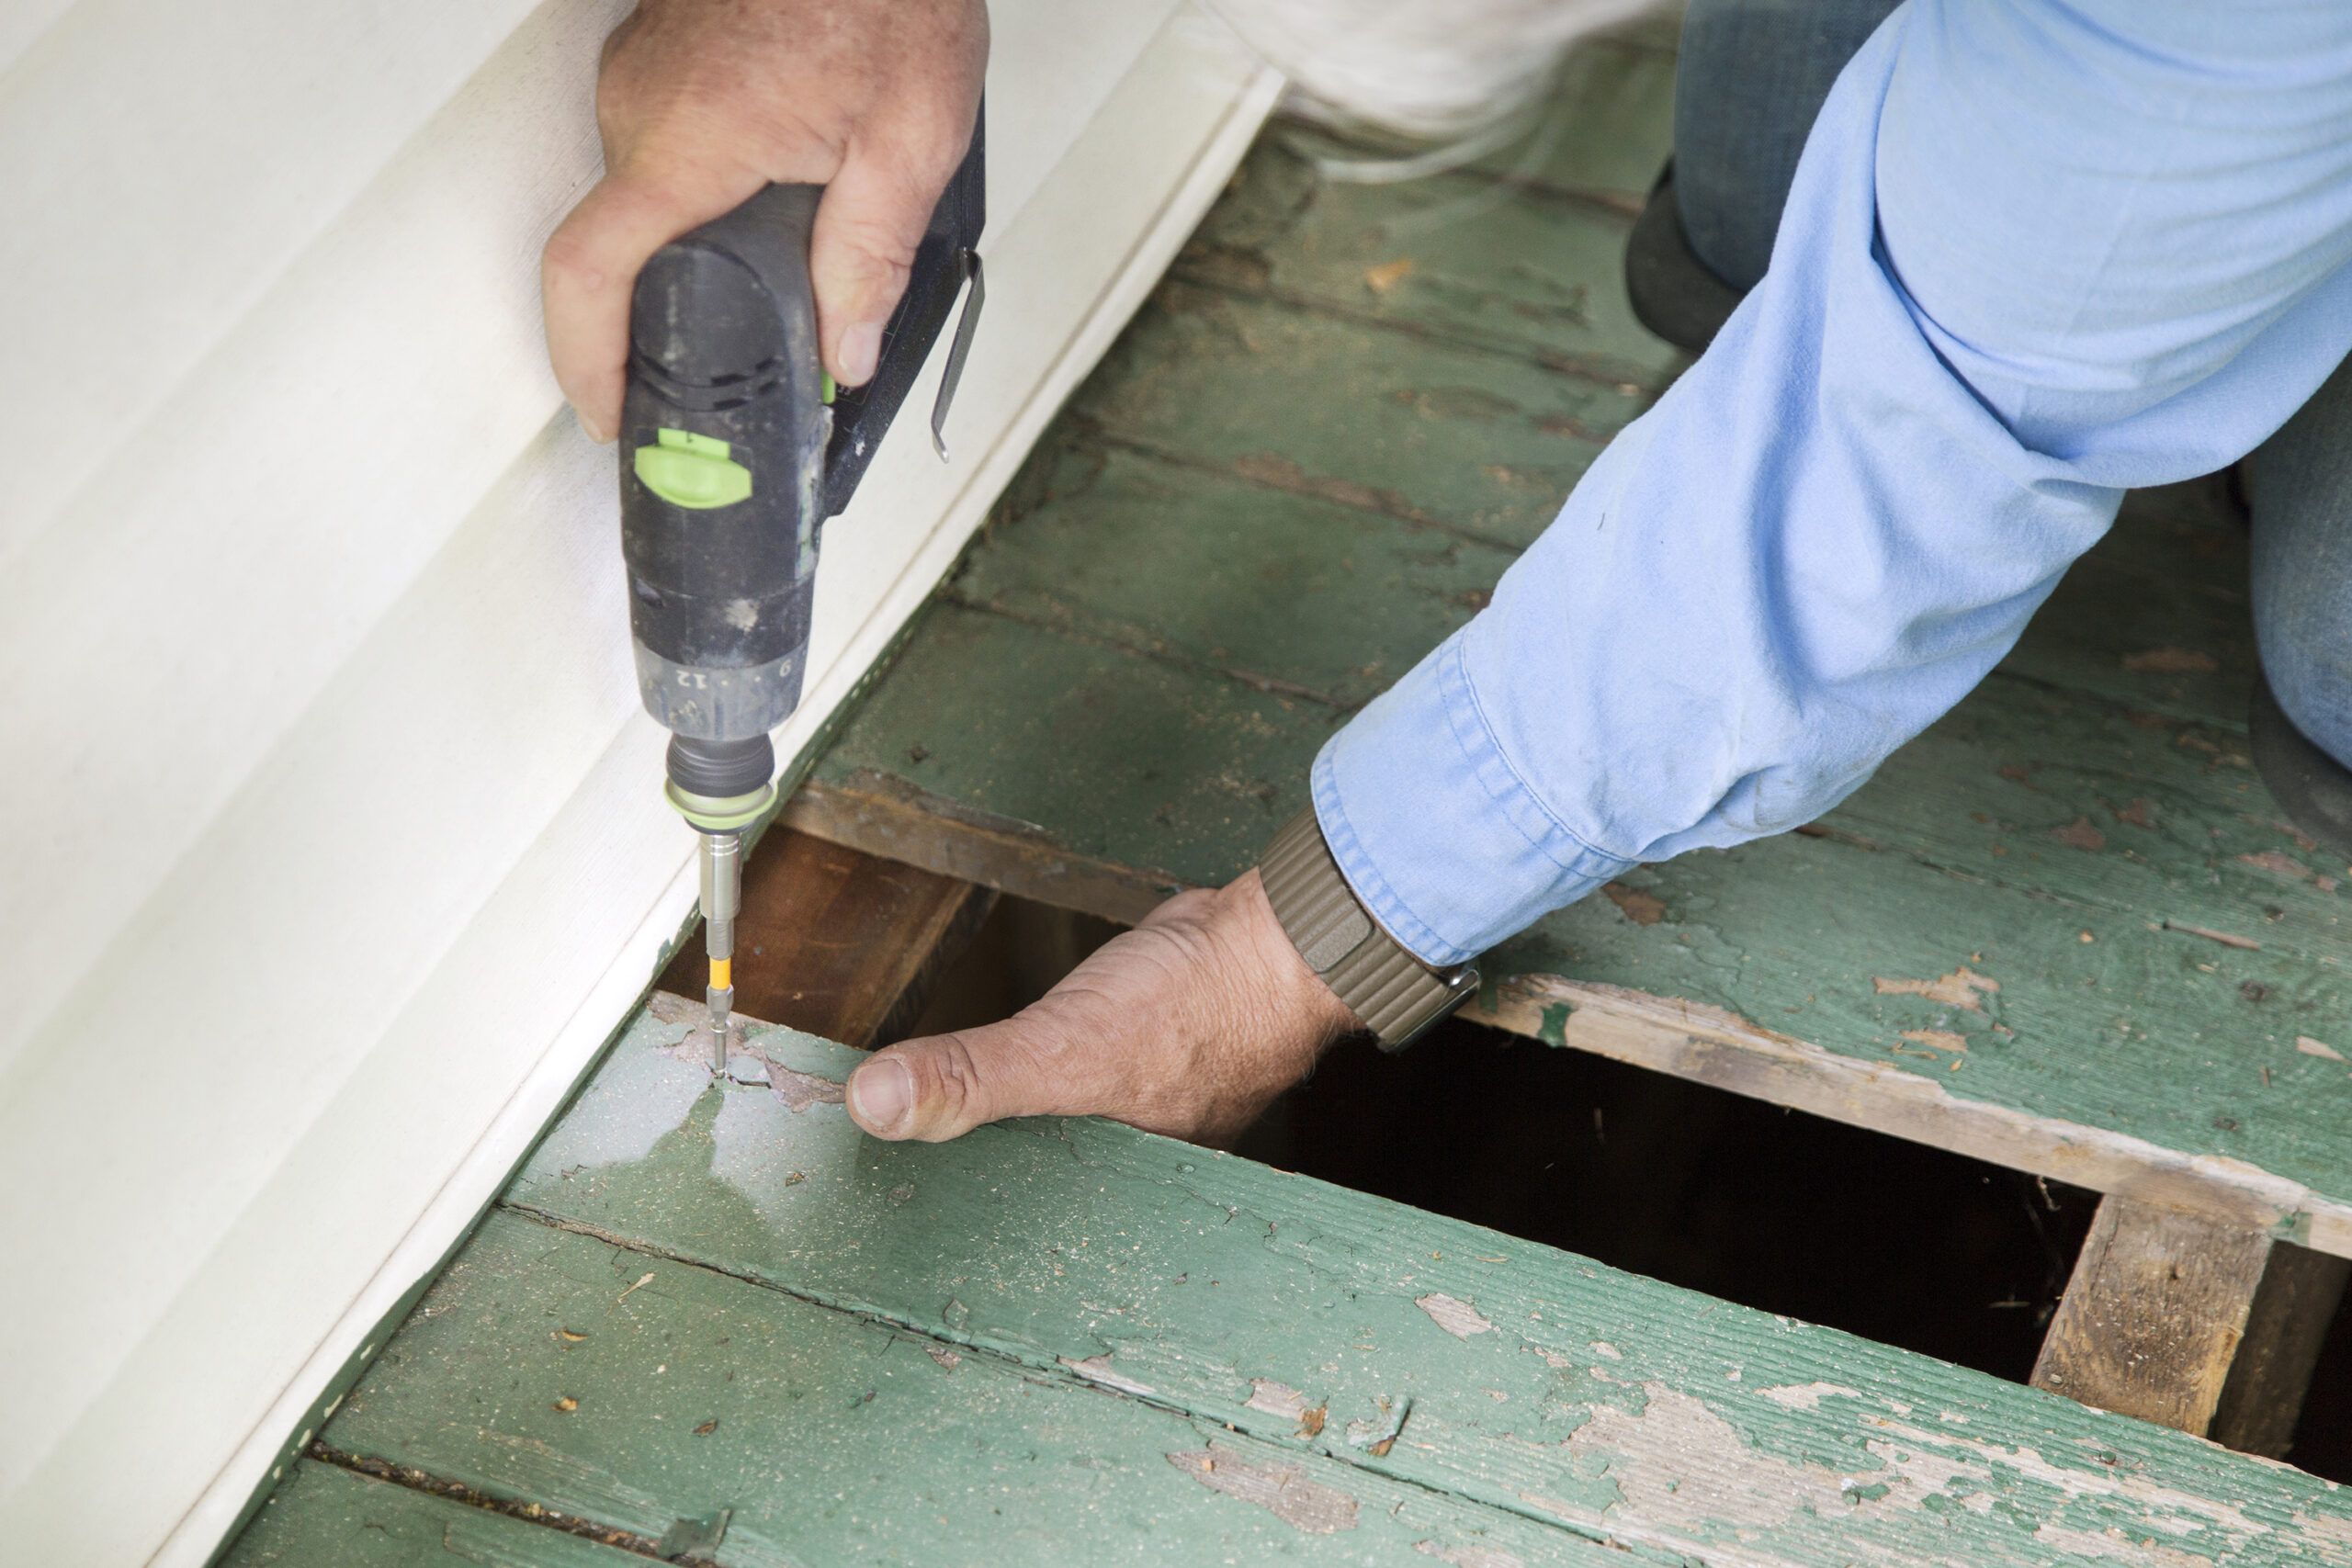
x: 1433, y: 828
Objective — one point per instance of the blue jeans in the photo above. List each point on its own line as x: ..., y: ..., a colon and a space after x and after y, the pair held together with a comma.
x: 1750, y: 78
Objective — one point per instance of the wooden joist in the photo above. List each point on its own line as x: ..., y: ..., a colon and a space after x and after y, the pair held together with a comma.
x: 834, y: 941
x: 2191, y: 1322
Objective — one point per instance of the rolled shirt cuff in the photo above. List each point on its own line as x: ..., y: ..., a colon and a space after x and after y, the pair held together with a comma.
x: 1433, y: 828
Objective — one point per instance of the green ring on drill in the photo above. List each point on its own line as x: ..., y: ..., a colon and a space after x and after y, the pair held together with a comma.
x: 726, y: 815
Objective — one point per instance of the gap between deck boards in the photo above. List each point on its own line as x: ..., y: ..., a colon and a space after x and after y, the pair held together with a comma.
x: 1692, y: 1040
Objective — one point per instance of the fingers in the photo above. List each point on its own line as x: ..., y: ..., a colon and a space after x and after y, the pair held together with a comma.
x: 931, y: 1090
x: 860, y: 251
x: 590, y: 268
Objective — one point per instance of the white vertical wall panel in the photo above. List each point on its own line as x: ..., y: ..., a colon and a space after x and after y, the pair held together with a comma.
x: 331, y: 844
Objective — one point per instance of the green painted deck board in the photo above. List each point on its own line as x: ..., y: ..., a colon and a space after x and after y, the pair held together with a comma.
x: 1274, y: 583
x: 1117, y: 1297
x: 827, y: 1436
x: 1413, y: 426
x: 324, y: 1516
x: 1524, y: 272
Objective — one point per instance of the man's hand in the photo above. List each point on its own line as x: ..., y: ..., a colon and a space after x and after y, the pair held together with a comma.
x: 1190, y: 1025
x: 701, y: 103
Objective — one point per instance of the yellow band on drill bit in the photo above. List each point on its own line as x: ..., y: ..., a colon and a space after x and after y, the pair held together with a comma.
x: 722, y: 974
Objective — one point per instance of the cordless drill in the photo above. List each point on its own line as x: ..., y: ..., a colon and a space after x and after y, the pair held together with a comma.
x: 736, y: 446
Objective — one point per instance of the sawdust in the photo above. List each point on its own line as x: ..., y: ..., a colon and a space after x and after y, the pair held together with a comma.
x: 1388, y: 274
x: 2311, y: 1047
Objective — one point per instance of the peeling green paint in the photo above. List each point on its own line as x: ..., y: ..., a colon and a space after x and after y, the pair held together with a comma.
x: 1157, y: 1283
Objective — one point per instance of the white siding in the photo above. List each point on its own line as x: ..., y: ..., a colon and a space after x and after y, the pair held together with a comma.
x: 331, y: 844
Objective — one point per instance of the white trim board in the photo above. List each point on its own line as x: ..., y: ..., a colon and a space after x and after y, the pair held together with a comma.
x: 363, y: 977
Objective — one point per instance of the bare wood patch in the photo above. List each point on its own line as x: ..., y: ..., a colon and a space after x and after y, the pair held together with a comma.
x: 1964, y: 987
x: 1641, y: 908
x: 1470, y: 1556
x: 1285, y: 1490
x: 1457, y: 1317
x: 1097, y: 1369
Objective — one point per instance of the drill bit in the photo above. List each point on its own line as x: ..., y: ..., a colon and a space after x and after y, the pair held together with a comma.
x: 722, y: 887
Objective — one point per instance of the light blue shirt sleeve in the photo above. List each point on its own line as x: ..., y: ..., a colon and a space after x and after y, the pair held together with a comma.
x: 2035, y: 253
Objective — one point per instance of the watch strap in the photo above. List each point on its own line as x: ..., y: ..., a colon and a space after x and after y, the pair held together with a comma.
x: 1397, y: 995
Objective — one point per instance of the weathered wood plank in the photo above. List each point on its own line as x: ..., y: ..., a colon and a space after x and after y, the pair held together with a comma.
x: 1269, y: 589
x: 1522, y: 1378
x: 1506, y: 266
x: 2299, y: 1295
x: 2191, y: 1322
x: 2111, y: 803
x: 555, y: 1369
x: 2150, y: 1321
x: 323, y: 1515
x: 1348, y: 411
x: 1148, y: 764
x: 837, y: 942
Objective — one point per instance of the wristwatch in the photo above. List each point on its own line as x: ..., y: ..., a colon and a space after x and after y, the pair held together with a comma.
x: 1397, y: 995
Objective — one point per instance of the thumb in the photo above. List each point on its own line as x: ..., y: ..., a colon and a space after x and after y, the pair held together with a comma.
x: 590, y: 268
x: 860, y: 251
x: 942, y: 1088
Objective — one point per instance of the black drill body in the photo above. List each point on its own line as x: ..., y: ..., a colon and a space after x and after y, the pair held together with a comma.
x: 735, y: 449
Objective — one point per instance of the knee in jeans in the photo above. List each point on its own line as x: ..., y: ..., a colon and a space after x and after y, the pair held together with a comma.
x: 2311, y: 677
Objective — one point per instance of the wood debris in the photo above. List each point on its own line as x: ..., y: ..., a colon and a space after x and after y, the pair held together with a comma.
x: 2311, y: 1047
x: 1387, y: 275
x: 2244, y: 943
